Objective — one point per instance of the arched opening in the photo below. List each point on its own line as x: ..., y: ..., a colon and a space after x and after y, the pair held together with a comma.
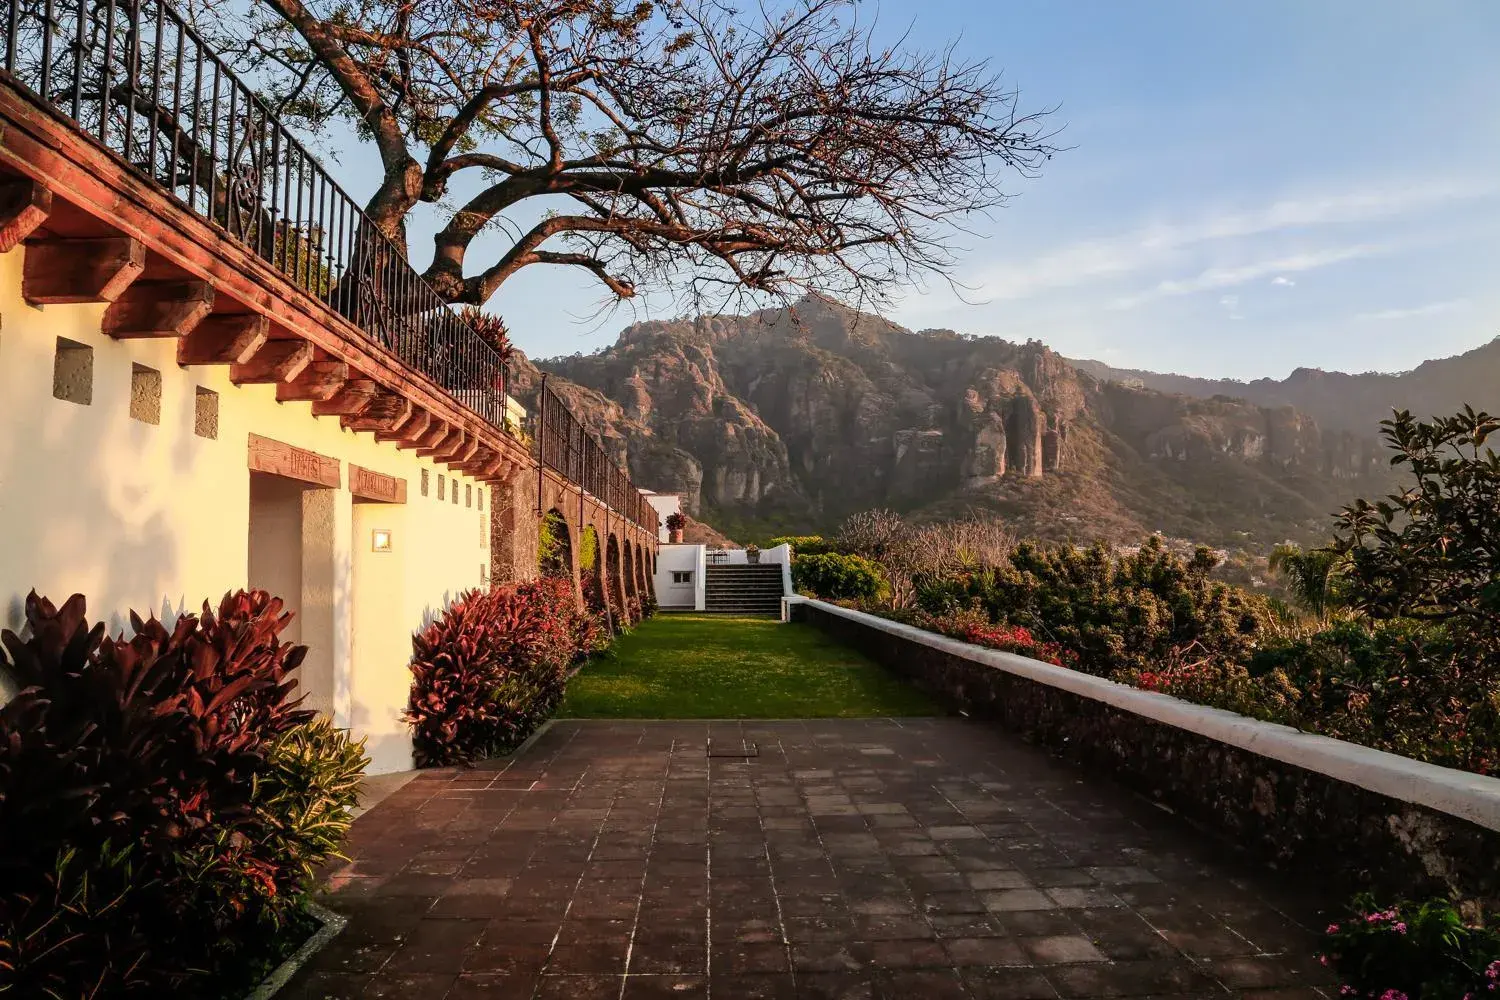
x: 591, y: 570
x: 612, y: 575
x: 554, y: 549
x: 631, y: 590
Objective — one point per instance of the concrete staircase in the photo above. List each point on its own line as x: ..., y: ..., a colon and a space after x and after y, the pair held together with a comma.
x: 743, y: 590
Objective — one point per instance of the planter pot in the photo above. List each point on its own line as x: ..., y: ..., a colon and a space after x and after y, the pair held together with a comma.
x: 330, y: 925
x: 674, y: 536
x: 753, y: 558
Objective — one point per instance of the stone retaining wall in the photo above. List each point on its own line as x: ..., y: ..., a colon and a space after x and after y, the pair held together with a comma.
x: 1364, y: 818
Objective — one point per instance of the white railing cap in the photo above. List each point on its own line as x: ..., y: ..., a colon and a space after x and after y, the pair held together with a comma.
x: 1464, y: 794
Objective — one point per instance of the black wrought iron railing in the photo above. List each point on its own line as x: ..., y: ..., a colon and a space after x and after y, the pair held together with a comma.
x: 135, y: 76
x: 563, y: 444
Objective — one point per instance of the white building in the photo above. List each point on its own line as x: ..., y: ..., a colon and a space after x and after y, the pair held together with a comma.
x: 666, y: 505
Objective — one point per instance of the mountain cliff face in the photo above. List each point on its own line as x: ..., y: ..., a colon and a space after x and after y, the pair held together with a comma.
x: 794, y: 418
x: 1355, y: 403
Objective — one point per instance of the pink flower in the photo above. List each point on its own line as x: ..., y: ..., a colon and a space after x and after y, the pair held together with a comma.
x: 1401, y: 927
x: 1332, y: 929
x: 1393, y: 995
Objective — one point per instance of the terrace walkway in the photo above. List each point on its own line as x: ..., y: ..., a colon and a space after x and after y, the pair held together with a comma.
x: 852, y: 858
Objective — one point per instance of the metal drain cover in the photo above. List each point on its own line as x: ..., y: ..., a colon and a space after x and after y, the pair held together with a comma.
x: 745, y: 751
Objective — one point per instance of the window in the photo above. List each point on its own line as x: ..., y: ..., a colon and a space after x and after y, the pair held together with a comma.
x: 424, y: 482
x: 682, y: 576
x: 145, y: 394
x: 442, y: 485
x: 73, y: 372
x: 468, y: 494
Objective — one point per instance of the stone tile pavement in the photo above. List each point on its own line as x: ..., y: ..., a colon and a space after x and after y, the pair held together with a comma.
x: 849, y: 859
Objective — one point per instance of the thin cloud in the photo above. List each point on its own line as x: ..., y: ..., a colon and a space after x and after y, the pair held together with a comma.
x: 1230, y: 277
x: 1283, y: 281
x: 1430, y: 309
x: 1115, y: 256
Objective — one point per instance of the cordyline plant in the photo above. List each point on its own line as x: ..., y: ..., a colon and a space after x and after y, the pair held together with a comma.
x: 492, y: 667
x: 682, y: 144
x: 156, y: 815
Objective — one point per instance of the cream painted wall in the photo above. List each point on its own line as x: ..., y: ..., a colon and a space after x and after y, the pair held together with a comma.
x: 156, y: 518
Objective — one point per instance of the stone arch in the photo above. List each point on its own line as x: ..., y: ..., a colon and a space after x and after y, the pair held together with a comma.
x: 632, y: 589
x: 591, y: 569
x: 555, y: 549
x: 613, y: 585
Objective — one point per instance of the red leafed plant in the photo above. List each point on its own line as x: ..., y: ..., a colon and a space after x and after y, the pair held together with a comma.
x: 141, y: 845
x: 492, y: 667
x: 973, y: 625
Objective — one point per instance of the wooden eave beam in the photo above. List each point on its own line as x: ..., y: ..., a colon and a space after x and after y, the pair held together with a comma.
x: 276, y: 361
x: 24, y: 205
x: 158, y: 309
x: 386, y: 412
x: 414, y: 427
x: 353, y: 398
x: 91, y: 270
x: 224, y: 339
x: 318, y: 382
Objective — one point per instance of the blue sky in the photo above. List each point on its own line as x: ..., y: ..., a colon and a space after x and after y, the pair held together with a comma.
x: 1252, y: 186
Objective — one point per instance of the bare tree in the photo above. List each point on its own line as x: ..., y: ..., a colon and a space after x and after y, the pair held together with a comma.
x: 673, y: 144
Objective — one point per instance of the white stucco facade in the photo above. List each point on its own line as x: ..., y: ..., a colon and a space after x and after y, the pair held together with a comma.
x: 671, y: 562
x: 156, y: 518
x: 666, y: 505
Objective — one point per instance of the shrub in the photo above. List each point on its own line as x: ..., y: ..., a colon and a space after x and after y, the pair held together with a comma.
x: 1117, y: 612
x: 973, y: 625
x: 1407, y: 952
x: 1402, y: 686
x: 491, y: 668
x: 803, y: 545
x: 838, y: 577
x: 162, y: 799
x: 676, y: 521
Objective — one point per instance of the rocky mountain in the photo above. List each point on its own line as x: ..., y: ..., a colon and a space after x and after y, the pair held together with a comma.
x: 790, y: 419
x: 1346, y: 402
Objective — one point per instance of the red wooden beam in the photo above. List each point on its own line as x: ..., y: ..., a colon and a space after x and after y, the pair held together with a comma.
x: 158, y: 309
x: 355, y: 397
x: 223, y: 340
x: 412, y: 429
x: 437, y: 431
x: 386, y: 412
x: 318, y: 382
x: 91, y: 270
x: 24, y: 205
x: 276, y: 361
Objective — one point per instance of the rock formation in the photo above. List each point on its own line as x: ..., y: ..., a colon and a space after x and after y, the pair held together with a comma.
x: 790, y: 419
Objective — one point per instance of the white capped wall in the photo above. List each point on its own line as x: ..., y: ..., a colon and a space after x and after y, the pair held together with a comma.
x: 681, y: 558
x: 666, y: 505
x: 156, y: 518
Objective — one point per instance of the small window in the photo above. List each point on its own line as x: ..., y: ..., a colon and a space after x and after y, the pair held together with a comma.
x: 454, y: 491
x: 442, y: 486
x: 73, y: 372
x: 424, y: 482
x: 481, y: 498
x: 468, y: 494
x: 145, y: 394
x: 206, y: 414
x: 682, y: 576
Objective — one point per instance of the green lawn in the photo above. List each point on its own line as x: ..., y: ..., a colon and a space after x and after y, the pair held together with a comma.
x: 706, y: 667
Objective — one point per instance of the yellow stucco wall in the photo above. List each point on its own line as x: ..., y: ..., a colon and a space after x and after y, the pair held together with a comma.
x: 157, y: 519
